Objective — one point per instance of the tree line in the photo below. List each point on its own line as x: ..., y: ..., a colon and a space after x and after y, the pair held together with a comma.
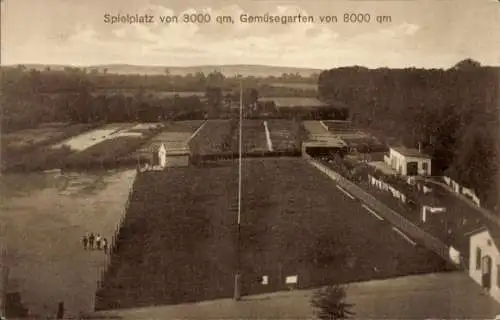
x: 32, y: 96
x: 452, y: 114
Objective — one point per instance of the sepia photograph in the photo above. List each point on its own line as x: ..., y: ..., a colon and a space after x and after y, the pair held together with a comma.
x: 250, y: 159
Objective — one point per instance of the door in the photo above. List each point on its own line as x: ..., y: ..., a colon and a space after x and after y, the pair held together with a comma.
x: 412, y: 168
x: 486, y: 272
x: 156, y: 159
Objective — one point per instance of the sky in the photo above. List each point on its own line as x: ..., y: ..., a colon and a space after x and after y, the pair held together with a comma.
x: 421, y: 33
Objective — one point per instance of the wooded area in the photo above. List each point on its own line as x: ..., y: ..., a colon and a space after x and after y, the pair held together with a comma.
x: 453, y: 114
x: 31, y: 97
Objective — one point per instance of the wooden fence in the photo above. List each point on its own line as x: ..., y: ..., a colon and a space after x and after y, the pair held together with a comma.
x: 112, y: 248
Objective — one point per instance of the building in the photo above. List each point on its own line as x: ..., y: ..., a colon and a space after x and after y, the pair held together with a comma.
x: 171, y: 157
x: 409, y: 162
x: 484, y: 259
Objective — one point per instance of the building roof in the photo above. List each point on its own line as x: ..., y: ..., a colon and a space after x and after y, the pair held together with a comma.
x: 410, y: 152
x: 492, y: 229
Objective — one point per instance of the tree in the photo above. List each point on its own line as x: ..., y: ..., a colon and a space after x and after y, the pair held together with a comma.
x: 467, y: 64
x: 330, y: 303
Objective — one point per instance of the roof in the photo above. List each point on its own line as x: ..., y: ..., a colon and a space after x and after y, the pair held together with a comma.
x: 295, y: 102
x: 492, y: 229
x: 410, y: 152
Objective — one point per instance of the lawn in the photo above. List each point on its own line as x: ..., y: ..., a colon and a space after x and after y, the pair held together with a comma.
x: 179, y: 240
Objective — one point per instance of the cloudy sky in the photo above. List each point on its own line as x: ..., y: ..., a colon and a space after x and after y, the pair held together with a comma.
x: 422, y: 33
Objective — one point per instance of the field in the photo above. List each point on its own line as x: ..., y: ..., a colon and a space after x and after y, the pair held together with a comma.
x: 303, y: 86
x: 285, y: 134
x: 254, y: 137
x: 221, y: 136
x: 179, y: 240
x: 21, y: 146
x: 214, y: 137
x: 111, y: 142
x: 43, y: 217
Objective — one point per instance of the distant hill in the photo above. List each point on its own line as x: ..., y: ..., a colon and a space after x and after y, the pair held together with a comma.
x: 227, y: 70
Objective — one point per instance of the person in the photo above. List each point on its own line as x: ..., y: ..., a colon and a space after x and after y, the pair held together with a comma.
x: 91, y: 241
x: 85, y: 241
x: 98, y: 241
x: 105, y: 245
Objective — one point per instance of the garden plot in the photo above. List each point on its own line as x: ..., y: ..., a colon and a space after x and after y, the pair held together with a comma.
x: 175, y: 135
x: 254, y: 137
x: 285, y: 134
x: 214, y: 137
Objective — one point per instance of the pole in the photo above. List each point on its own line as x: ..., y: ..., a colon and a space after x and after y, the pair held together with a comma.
x: 237, y: 277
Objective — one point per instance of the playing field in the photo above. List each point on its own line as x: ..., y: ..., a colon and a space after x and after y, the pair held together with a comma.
x: 43, y: 217
x: 180, y: 244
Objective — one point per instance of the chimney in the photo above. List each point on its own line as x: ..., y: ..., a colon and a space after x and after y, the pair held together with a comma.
x: 419, y: 147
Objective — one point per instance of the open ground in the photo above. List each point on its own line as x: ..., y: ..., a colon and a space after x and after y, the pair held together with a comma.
x: 44, y: 217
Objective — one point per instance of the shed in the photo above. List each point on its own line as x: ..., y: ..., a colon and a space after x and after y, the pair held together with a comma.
x: 172, y: 157
x: 484, y: 259
x: 409, y: 162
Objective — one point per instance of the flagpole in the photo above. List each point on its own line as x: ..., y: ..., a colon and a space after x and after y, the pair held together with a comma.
x: 237, y: 277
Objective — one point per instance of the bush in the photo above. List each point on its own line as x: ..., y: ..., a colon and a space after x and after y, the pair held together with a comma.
x: 330, y: 303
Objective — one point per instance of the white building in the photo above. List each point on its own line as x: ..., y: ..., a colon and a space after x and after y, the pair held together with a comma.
x: 172, y: 157
x: 408, y: 162
x: 484, y: 259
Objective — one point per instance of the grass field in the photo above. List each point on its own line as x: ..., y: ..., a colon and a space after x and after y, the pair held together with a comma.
x: 179, y: 240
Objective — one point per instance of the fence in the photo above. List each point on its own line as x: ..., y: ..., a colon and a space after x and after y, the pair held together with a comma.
x: 112, y: 246
x: 392, y: 216
x: 469, y: 193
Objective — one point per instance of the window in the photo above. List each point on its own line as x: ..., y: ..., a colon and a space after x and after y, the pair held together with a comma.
x: 478, y: 258
x: 425, y: 166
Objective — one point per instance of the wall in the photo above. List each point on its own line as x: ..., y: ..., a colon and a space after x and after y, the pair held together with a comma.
x: 480, y: 240
x: 177, y: 161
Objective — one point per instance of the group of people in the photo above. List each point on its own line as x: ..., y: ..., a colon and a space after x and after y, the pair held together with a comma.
x: 92, y: 242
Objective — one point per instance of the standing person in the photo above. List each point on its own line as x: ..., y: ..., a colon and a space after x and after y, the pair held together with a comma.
x: 91, y: 241
x: 85, y: 241
x: 105, y: 245
x: 98, y: 241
